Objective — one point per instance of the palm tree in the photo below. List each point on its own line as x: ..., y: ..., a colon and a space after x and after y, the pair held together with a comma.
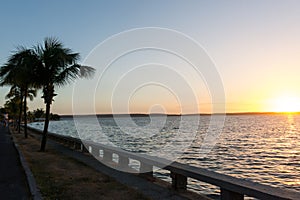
x: 16, y: 96
x: 20, y: 71
x: 57, y: 67
x: 16, y: 93
x: 12, y: 106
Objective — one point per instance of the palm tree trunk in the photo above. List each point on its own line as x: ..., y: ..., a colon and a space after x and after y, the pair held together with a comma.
x: 25, y: 113
x: 20, y: 114
x: 45, y: 132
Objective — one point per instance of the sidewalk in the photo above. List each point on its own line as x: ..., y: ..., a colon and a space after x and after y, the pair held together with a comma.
x: 13, y: 184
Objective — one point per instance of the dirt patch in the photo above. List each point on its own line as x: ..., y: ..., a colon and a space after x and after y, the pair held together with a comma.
x: 61, y: 177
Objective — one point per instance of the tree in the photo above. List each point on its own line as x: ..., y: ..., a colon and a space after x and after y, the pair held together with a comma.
x: 2, y: 112
x: 19, y: 71
x: 30, y: 116
x: 18, y: 97
x: 54, y: 117
x: 12, y: 107
x: 39, y: 113
x: 57, y: 67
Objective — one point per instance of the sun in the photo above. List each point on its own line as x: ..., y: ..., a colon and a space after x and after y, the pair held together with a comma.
x: 286, y: 104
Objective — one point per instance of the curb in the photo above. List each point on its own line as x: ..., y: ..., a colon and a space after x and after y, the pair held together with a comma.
x: 34, y: 191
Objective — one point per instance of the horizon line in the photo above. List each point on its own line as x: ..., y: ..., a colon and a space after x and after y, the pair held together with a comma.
x: 174, y: 114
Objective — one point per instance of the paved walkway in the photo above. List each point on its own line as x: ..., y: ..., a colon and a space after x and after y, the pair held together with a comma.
x: 13, y: 184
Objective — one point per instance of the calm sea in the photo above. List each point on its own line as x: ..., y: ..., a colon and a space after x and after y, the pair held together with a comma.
x: 261, y: 148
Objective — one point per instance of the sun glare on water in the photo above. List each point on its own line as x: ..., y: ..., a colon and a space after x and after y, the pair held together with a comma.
x: 287, y: 104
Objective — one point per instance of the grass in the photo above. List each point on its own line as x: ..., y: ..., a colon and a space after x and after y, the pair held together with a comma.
x: 61, y: 177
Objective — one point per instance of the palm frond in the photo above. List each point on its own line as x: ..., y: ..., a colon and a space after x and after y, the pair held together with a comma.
x: 87, y: 71
x: 31, y: 93
x: 67, y: 75
x: 19, y: 68
x: 14, y: 91
x: 7, y: 74
x: 72, y: 72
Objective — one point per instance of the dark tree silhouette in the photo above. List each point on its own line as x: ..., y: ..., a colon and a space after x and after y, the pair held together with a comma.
x: 57, y: 67
x: 19, y: 71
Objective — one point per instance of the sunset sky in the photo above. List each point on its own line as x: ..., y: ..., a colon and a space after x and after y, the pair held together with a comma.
x: 255, y: 46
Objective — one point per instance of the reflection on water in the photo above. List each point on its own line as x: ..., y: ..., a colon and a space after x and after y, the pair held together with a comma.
x: 261, y: 148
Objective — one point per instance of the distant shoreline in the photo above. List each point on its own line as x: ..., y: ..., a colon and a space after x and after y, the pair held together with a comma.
x: 200, y: 114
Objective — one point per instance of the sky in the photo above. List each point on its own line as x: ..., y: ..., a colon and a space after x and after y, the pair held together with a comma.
x: 254, y: 45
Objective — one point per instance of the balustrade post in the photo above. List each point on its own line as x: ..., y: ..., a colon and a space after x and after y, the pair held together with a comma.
x: 77, y: 146
x: 146, y: 169
x: 84, y: 149
x: 179, y: 182
x: 107, y: 156
x: 70, y: 142
x: 123, y: 161
x: 95, y: 151
x: 230, y: 195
